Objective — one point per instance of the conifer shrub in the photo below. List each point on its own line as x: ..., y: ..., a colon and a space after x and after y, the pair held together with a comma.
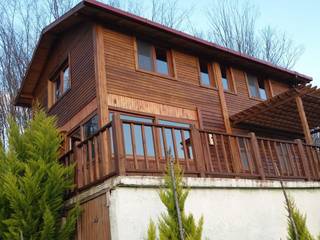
x: 33, y: 184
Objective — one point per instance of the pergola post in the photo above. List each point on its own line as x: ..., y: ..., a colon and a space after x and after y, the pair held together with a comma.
x: 304, y: 121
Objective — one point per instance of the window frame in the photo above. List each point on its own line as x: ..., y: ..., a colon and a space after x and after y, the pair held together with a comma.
x: 257, y: 88
x: 210, y: 68
x: 170, y: 59
x: 59, y: 73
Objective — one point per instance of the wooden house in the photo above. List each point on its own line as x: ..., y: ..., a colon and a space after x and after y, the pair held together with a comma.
x: 126, y: 90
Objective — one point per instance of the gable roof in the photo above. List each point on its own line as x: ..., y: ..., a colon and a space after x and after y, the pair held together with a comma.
x: 124, y: 21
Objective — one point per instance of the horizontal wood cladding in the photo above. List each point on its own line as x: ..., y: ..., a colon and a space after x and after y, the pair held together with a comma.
x: 279, y: 87
x: 138, y: 105
x: 184, y: 92
x: 77, y: 43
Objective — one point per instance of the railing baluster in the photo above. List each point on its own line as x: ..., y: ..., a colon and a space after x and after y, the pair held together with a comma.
x: 311, y: 164
x: 265, y: 155
x: 144, y: 146
x: 274, y: 165
x: 224, y: 152
x: 217, y: 153
x: 133, y: 145
x: 285, y: 160
x: 256, y: 153
x: 292, y: 160
x: 165, y: 146
x: 183, y: 139
x: 173, y: 135
x: 156, y: 146
x: 280, y: 161
x: 97, y: 157
x: 303, y: 158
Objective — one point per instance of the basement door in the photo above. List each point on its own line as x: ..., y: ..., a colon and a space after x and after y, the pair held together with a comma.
x: 94, y: 221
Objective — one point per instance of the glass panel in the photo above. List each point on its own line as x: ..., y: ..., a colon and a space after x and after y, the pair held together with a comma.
x: 168, y: 136
x: 161, y: 60
x: 204, y: 74
x: 149, y: 141
x: 224, y: 78
x: 252, y: 81
x: 75, y: 138
x: 138, y: 140
x: 162, y: 143
x: 262, y: 90
x: 136, y: 119
x: 57, y: 86
x: 127, y: 139
x: 91, y: 127
x: 188, y: 144
x: 179, y: 142
x: 243, y: 154
x: 174, y: 124
x: 145, y: 55
x: 66, y: 79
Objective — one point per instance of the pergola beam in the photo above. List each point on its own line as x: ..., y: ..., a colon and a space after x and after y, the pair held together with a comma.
x: 304, y: 121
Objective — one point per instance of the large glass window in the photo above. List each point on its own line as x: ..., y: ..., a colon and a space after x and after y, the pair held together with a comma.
x: 153, y: 58
x: 256, y: 87
x: 91, y: 127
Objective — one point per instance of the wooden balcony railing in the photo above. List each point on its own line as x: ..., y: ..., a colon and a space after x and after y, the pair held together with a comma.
x: 125, y: 147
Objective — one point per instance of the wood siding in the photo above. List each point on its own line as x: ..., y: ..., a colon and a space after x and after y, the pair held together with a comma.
x: 78, y: 44
x: 184, y: 91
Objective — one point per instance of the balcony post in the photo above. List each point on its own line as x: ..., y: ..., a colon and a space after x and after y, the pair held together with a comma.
x: 119, y: 154
x: 198, y: 151
x: 256, y: 154
x: 303, y: 158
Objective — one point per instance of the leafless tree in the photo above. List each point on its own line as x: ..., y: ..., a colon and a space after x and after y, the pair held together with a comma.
x: 234, y: 25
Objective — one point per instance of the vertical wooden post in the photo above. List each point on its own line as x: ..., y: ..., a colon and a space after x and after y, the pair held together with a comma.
x: 223, y: 103
x: 198, y: 151
x: 304, y: 121
x: 303, y: 158
x: 119, y: 153
x: 102, y: 94
x: 256, y: 154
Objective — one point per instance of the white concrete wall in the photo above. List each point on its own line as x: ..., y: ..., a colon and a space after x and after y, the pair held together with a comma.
x: 232, y: 209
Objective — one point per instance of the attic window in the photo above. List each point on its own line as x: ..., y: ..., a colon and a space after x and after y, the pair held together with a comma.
x: 256, y: 87
x: 60, y: 82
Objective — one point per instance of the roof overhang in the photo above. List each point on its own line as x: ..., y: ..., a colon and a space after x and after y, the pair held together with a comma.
x: 124, y: 21
x: 281, y: 112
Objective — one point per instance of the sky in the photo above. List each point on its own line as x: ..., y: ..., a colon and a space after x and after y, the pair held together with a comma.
x: 299, y: 19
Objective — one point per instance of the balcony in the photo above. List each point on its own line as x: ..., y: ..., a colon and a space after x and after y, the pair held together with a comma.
x: 125, y: 147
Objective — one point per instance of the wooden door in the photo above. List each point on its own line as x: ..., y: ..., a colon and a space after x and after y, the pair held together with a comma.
x: 94, y: 221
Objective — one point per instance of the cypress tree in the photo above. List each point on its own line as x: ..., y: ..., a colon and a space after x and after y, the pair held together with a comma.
x: 299, y: 221
x: 33, y: 184
x: 168, y: 226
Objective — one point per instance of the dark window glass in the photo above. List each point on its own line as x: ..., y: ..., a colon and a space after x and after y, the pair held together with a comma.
x: 204, y: 73
x: 262, y: 90
x: 161, y: 60
x: 252, y: 81
x: 57, y: 87
x: 75, y: 138
x: 145, y: 56
x: 224, y: 77
x: 137, y: 136
x: 244, y: 154
x: 66, y: 79
x: 90, y: 127
x: 178, y: 139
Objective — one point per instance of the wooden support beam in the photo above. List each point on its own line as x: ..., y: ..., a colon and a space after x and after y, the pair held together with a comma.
x: 224, y: 108
x: 102, y: 94
x: 304, y: 121
x: 119, y: 151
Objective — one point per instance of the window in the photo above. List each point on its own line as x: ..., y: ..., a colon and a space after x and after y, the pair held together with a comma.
x: 90, y: 127
x: 205, y: 74
x: 224, y: 78
x: 151, y: 58
x: 256, y: 87
x: 61, y: 82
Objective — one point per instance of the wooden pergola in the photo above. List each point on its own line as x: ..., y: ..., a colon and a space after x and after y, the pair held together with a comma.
x: 296, y: 110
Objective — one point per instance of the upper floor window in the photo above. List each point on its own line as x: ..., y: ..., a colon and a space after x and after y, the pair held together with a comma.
x: 226, y: 83
x: 152, y: 58
x: 61, y: 82
x: 206, y: 74
x: 256, y: 87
